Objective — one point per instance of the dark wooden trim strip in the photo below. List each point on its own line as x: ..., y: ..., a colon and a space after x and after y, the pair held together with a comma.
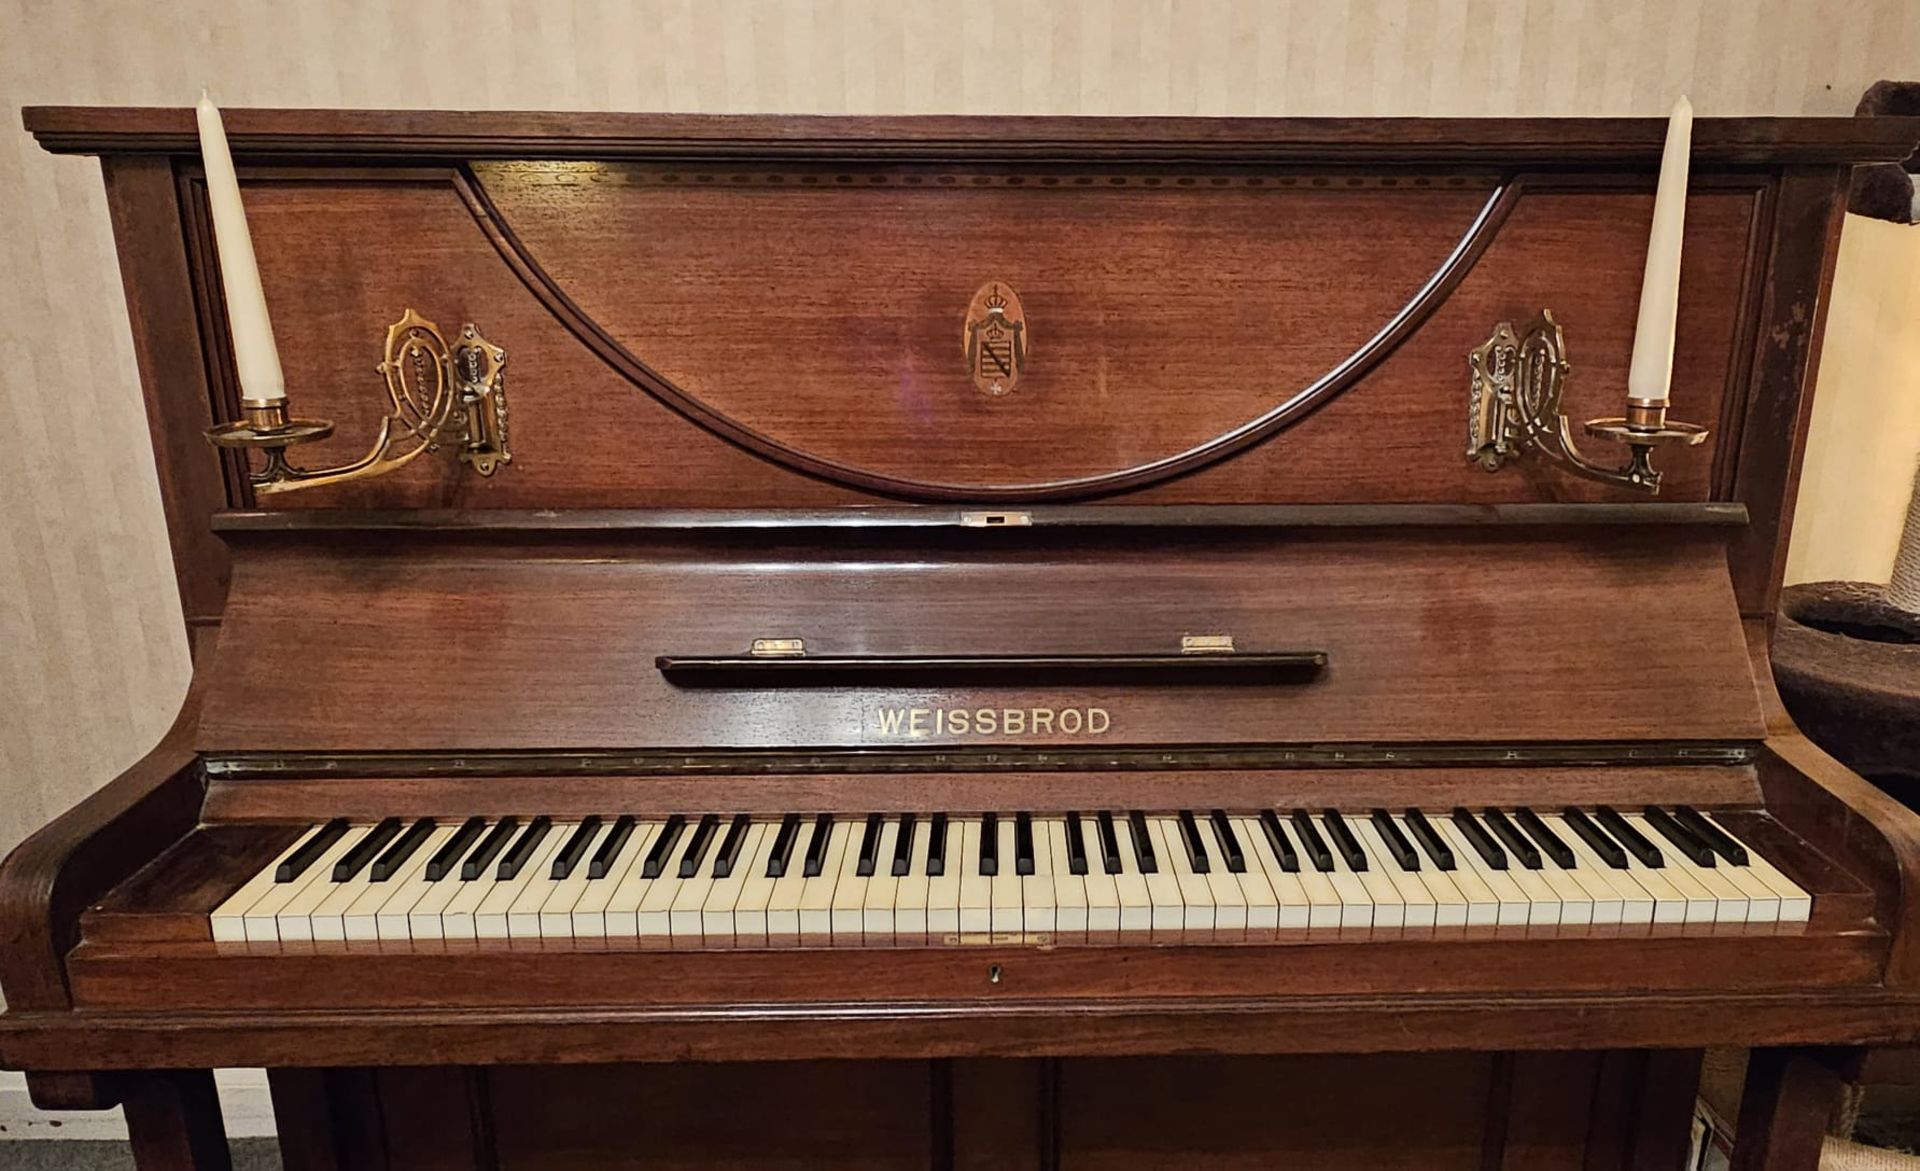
x: 1278, y: 517
x: 528, y: 134
x: 1296, y: 406
x: 999, y: 758
x: 1164, y: 670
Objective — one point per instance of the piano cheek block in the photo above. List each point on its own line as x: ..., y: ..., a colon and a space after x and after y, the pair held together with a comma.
x: 674, y: 734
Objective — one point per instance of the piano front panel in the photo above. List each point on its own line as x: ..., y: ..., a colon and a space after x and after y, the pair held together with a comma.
x: 1432, y: 638
x: 1166, y: 310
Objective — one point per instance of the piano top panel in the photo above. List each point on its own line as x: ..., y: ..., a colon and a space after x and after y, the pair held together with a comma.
x: 492, y: 643
x: 770, y: 312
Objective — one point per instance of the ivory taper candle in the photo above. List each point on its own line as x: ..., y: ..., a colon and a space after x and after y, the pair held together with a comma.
x: 254, y: 354
x: 1651, y: 374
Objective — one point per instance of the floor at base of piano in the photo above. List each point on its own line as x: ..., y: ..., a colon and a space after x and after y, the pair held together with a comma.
x: 249, y: 1154
x: 63, y: 1140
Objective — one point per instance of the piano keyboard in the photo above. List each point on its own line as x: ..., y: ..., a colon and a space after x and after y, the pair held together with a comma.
x: 745, y: 880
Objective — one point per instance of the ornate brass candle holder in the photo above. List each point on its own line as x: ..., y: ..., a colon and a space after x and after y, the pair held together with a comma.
x: 1513, y: 406
x: 443, y: 398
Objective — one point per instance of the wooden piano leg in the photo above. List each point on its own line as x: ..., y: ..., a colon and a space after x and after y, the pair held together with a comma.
x: 173, y: 1119
x: 1789, y: 1099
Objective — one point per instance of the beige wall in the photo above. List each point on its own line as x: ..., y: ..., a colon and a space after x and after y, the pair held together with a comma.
x: 91, y: 660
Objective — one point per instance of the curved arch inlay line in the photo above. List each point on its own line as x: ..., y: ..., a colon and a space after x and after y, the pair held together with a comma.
x: 1296, y: 406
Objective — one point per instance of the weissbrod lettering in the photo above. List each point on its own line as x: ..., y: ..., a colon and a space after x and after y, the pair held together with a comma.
x: 917, y: 722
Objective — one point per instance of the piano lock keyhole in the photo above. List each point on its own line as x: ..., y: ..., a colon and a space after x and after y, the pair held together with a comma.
x: 993, y: 974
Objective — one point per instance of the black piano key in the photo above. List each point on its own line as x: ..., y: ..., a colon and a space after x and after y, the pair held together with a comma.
x: 1722, y: 842
x: 1142, y: 842
x: 366, y: 849
x: 783, y: 840
x: 1631, y: 839
x: 1477, y: 837
x: 1076, y: 846
x: 1609, y: 850
x: 1691, y: 845
x: 611, y: 849
x: 903, y: 847
x: 489, y: 847
x: 1312, y: 842
x: 1431, y: 841
x: 407, y: 845
x: 575, y: 848
x: 1548, y: 841
x: 817, y: 846
x: 870, y: 845
x: 1109, y: 843
x: 937, y: 846
x: 1283, y: 850
x: 309, y: 852
x: 1511, y: 837
x: 448, y: 856
x: 1023, y: 843
x: 522, y: 852
x: 1236, y: 858
x: 704, y: 832
x: 1343, y: 840
x: 989, y: 844
x: 1396, y: 842
x: 1190, y: 838
x: 669, y: 836
x: 731, y: 845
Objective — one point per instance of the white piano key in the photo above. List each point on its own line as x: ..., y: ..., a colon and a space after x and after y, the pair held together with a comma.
x: 1763, y: 902
x: 911, y: 890
x: 1102, y: 890
x: 1511, y: 907
x: 1196, y: 894
x: 553, y: 916
x: 1796, y: 905
x: 294, y: 919
x: 1130, y: 886
x: 593, y: 916
x: 361, y: 920
x: 1418, y: 909
x: 1290, y: 902
x: 1576, y: 903
x: 652, y: 919
x: 1229, y: 904
x: 1539, y: 895
x: 1671, y: 905
x: 976, y: 889
x: 523, y: 914
x: 686, y: 917
x: 1069, y: 889
x: 783, y: 902
x: 1163, y: 886
x: 750, y: 909
x: 490, y: 917
x: 1004, y: 890
x: 816, y: 893
x: 877, y: 909
x: 1710, y: 898
x: 1356, y: 900
x: 847, y: 912
x: 1636, y: 905
x: 1253, y: 904
x: 1039, y: 909
x: 228, y: 921
x: 719, y: 913
x: 943, y: 889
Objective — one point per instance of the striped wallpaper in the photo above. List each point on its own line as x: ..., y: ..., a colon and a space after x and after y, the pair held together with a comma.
x: 92, y: 662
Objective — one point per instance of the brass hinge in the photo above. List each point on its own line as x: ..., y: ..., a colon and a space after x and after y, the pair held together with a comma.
x: 778, y: 648
x: 1206, y: 644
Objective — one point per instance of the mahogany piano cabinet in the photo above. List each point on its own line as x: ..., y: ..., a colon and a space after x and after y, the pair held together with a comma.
x: 965, y: 641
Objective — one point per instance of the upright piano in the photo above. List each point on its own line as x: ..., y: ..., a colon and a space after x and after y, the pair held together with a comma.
x: 959, y: 642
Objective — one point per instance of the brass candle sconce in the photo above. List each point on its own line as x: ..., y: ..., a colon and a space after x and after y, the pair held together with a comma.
x: 1513, y: 406
x: 444, y: 398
